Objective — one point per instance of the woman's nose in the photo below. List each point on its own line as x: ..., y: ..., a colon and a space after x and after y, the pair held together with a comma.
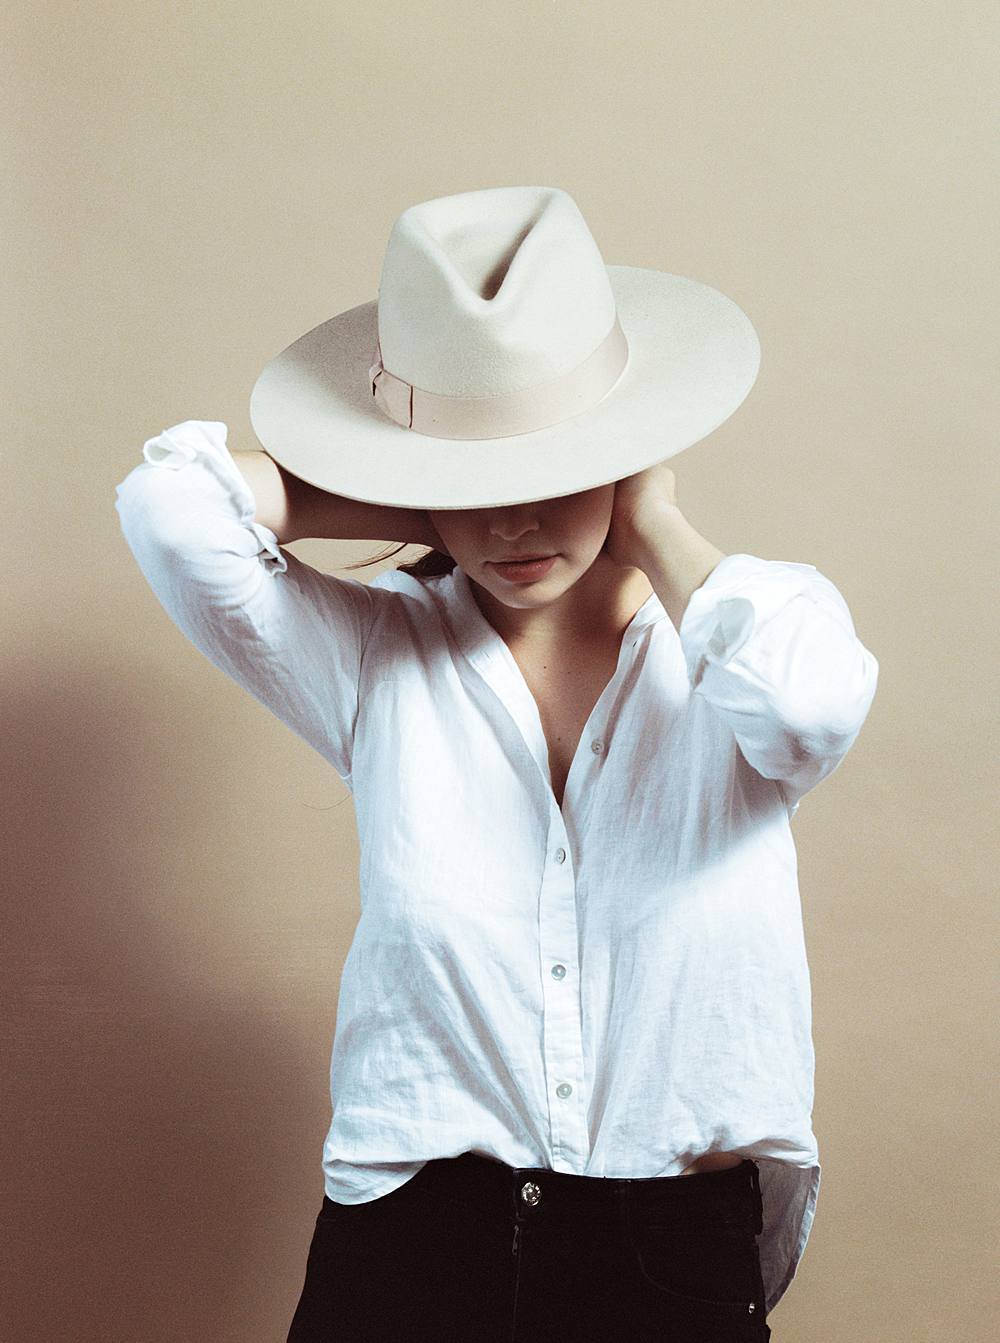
x: 511, y: 528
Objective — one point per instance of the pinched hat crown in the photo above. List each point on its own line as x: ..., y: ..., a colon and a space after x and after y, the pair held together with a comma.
x: 495, y: 315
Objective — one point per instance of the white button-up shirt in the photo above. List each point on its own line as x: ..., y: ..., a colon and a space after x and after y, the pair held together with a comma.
x: 611, y: 988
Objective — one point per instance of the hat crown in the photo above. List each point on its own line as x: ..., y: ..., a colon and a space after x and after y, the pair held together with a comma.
x: 491, y: 292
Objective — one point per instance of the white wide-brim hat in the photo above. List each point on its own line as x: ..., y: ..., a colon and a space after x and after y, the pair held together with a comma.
x: 503, y: 362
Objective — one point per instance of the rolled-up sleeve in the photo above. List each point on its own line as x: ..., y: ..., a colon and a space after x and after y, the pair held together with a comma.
x: 771, y: 645
x: 291, y: 636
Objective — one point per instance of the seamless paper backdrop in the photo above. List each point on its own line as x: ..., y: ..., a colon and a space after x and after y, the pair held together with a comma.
x: 190, y: 187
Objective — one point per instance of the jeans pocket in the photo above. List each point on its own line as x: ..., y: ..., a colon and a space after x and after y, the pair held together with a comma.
x: 330, y: 1210
x: 703, y: 1275
x: 332, y: 1213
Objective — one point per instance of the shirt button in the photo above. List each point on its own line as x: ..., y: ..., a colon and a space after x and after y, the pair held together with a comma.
x: 560, y: 855
x: 563, y: 1090
x: 558, y: 971
x: 597, y: 746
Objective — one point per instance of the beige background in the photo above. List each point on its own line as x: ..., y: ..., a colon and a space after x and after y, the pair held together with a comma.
x: 190, y: 187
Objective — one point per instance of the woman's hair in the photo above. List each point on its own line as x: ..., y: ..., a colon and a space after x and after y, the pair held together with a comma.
x: 429, y: 565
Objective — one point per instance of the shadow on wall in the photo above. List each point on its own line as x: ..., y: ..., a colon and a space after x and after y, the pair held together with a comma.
x: 154, y: 1065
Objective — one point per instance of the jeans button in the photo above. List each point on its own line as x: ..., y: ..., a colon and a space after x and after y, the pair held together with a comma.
x: 531, y: 1193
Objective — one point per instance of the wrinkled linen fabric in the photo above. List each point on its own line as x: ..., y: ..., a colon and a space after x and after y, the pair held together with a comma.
x: 613, y: 987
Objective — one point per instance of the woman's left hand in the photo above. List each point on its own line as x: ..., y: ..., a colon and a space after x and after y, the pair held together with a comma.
x: 637, y: 502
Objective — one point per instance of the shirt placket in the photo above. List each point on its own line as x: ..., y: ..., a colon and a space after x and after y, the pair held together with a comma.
x: 558, y: 933
x: 558, y: 937
x: 562, y: 1034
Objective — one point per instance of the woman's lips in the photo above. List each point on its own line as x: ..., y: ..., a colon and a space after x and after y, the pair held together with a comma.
x: 524, y: 571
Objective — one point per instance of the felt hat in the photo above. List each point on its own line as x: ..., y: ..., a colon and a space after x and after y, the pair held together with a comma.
x: 503, y: 362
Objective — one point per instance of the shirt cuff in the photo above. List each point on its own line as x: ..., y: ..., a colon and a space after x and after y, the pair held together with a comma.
x: 740, y: 594
x: 204, y: 442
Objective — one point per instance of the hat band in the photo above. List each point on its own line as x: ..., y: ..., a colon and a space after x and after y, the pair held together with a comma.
x: 501, y: 416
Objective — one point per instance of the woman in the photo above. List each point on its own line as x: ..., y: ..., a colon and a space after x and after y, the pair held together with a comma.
x: 572, y: 1073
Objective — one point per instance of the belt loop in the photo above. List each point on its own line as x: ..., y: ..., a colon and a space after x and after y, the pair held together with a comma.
x: 758, y: 1199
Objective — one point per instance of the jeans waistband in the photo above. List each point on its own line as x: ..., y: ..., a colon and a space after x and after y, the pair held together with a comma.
x: 529, y: 1189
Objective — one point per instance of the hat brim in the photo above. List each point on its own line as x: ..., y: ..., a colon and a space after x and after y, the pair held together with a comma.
x: 693, y: 358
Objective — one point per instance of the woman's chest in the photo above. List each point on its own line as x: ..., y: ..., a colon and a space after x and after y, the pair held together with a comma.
x: 565, y: 692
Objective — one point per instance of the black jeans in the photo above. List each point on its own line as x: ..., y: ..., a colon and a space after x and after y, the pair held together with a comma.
x: 474, y: 1251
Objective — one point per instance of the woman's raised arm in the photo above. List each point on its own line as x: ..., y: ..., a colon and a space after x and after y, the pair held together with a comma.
x: 293, y: 509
